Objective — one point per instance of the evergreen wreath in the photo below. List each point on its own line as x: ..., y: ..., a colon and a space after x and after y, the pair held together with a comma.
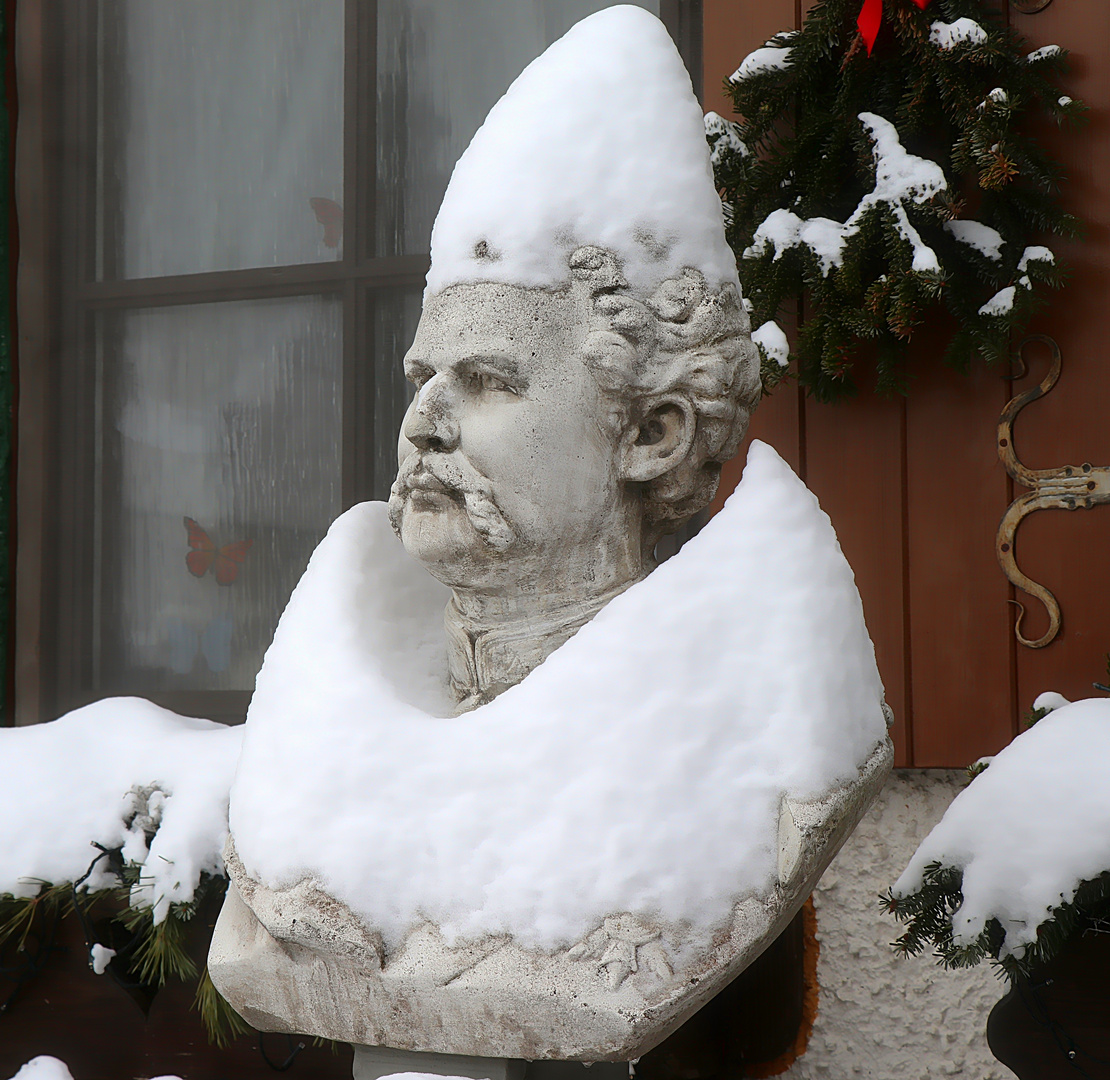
x: 886, y: 185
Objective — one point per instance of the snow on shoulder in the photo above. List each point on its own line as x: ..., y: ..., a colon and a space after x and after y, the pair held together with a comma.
x: 639, y: 768
x: 112, y: 773
x: 599, y: 141
x: 1028, y: 829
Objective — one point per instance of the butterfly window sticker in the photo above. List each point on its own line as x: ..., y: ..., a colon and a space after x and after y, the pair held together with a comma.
x: 223, y: 562
x: 329, y: 214
x: 213, y: 641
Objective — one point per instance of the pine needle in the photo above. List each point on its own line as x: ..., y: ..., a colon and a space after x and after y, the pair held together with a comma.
x: 220, y: 1020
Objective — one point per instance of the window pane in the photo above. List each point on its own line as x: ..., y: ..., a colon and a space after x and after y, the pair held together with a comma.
x: 228, y: 415
x: 396, y: 313
x: 441, y: 67
x: 223, y: 141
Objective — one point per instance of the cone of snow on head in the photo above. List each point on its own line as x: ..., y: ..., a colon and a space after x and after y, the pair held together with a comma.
x: 600, y: 141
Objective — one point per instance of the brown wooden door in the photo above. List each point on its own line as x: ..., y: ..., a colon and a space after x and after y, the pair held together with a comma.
x: 914, y: 486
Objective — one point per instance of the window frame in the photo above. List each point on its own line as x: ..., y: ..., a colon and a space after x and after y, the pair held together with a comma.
x: 60, y: 298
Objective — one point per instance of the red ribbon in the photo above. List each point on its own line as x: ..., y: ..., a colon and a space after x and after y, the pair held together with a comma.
x: 871, y: 17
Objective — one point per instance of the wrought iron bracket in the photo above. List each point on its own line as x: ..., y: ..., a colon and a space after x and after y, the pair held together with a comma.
x: 1069, y: 487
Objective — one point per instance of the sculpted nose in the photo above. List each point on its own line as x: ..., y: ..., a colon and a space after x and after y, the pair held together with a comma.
x: 431, y: 427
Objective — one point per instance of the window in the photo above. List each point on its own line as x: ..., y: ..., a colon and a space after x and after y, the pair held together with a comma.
x: 224, y: 213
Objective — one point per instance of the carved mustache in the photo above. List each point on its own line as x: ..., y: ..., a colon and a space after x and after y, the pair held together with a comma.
x: 453, y: 474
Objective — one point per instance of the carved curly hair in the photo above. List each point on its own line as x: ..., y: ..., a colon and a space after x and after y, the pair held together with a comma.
x: 683, y: 341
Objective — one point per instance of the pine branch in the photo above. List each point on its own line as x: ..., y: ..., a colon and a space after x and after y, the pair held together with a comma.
x: 17, y: 914
x: 928, y: 913
x: 220, y: 1020
x: 159, y: 952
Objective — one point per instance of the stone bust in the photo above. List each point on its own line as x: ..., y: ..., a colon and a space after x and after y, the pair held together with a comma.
x: 555, y: 436
x: 644, y: 787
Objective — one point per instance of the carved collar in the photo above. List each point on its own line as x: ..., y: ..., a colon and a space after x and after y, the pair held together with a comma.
x: 485, y: 659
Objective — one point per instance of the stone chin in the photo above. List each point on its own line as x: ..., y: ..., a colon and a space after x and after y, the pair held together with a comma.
x: 438, y: 532
x: 443, y: 512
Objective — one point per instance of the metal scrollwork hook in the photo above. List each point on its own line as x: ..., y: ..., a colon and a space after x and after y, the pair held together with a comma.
x: 1069, y: 487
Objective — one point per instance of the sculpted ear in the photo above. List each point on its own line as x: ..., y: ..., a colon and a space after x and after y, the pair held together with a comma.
x: 659, y: 440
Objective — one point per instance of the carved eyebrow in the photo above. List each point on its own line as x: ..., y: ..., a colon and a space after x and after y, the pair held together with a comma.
x: 495, y: 365
x: 417, y: 371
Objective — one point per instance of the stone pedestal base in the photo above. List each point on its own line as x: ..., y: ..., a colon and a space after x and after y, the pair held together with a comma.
x: 297, y: 960
x: 372, y: 1062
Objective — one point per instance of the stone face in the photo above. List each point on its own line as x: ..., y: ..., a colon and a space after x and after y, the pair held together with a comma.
x: 297, y: 961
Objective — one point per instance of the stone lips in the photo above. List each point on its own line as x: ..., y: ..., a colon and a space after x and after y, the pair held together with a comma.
x: 299, y: 961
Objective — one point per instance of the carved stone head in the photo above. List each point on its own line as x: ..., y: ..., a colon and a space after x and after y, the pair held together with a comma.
x: 557, y: 434
x: 583, y: 362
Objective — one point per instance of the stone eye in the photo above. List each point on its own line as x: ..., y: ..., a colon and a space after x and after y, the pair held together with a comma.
x: 483, y: 380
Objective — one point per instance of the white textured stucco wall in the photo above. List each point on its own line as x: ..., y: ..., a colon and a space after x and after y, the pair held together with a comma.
x: 878, y: 1015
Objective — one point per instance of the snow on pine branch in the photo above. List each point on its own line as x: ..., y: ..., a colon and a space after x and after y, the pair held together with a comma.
x: 985, y: 240
x: 1036, y: 253
x: 774, y: 56
x: 1002, y: 303
x: 900, y: 177
x: 961, y: 32
x: 1029, y: 829
x: 771, y: 341
x: 783, y: 229
x: 997, y: 96
x: 1043, y: 53
x: 121, y: 774
x: 724, y: 136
